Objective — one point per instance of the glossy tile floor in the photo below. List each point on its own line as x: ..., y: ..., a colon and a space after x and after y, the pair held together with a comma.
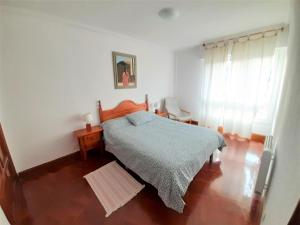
x: 220, y: 194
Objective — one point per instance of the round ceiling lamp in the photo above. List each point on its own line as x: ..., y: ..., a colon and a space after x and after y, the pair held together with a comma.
x: 168, y: 13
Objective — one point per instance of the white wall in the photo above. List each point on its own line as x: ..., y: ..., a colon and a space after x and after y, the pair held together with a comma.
x: 55, y: 71
x: 284, y: 191
x: 189, y: 66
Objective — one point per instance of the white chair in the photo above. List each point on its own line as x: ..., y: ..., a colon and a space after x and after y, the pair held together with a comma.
x: 175, y: 112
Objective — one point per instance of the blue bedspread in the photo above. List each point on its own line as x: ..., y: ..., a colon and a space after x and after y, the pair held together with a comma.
x: 163, y: 152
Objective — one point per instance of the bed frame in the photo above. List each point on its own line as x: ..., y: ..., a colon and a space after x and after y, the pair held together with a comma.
x: 123, y: 108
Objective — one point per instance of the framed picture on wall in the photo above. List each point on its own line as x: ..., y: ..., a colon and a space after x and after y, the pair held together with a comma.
x: 124, y: 67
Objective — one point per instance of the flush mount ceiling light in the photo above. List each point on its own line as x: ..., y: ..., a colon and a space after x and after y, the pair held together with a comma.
x: 168, y: 13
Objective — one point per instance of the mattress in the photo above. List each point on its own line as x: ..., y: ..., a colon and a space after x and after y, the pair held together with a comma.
x: 165, y: 153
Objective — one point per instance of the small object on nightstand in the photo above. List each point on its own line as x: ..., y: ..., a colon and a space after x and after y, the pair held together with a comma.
x: 88, y: 120
x: 89, y: 139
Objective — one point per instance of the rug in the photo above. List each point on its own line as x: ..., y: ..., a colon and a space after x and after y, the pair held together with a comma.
x: 113, y: 186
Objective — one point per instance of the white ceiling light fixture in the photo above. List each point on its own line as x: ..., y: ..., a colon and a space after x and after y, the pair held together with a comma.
x: 168, y: 13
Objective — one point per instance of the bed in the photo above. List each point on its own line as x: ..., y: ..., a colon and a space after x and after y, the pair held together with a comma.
x: 165, y: 153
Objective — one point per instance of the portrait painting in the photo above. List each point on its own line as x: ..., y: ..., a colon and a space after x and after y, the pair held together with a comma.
x: 124, y: 67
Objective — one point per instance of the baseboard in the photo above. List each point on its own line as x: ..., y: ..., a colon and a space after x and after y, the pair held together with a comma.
x: 48, y: 166
x: 254, y: 137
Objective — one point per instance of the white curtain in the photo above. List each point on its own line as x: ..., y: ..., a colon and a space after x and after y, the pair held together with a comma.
x: 211, y: 106
x: 242, y: 83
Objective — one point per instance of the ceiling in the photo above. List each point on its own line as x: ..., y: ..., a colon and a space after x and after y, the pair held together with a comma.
x: 198, y: 21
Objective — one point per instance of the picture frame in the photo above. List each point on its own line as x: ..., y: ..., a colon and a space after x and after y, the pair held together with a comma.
x: 124, y: 69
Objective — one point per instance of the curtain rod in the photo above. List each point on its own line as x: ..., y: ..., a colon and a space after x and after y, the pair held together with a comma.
x: 242, y: 36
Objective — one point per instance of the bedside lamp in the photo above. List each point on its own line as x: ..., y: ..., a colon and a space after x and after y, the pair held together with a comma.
x: 88, y: 120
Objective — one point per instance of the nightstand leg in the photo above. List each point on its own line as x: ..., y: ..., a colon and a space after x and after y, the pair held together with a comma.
x: 81, y: 154
x: 84, y: 155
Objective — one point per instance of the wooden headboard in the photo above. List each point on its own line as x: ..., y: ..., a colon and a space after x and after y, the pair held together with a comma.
x: 123, y: 108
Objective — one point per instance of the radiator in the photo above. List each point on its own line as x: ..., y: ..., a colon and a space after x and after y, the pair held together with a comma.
x: 266, y: 165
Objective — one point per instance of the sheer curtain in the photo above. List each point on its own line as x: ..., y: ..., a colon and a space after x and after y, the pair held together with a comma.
x: 211, y: 106
x: 241, y: 83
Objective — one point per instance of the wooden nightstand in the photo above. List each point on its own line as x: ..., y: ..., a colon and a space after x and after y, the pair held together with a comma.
x: 160, y: 113
x: 89, y: 139
x: 163, y: 114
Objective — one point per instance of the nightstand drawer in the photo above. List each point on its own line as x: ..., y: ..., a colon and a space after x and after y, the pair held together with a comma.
x: 92, y: 138
x: 91, y: 141
x: 89, y: 146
